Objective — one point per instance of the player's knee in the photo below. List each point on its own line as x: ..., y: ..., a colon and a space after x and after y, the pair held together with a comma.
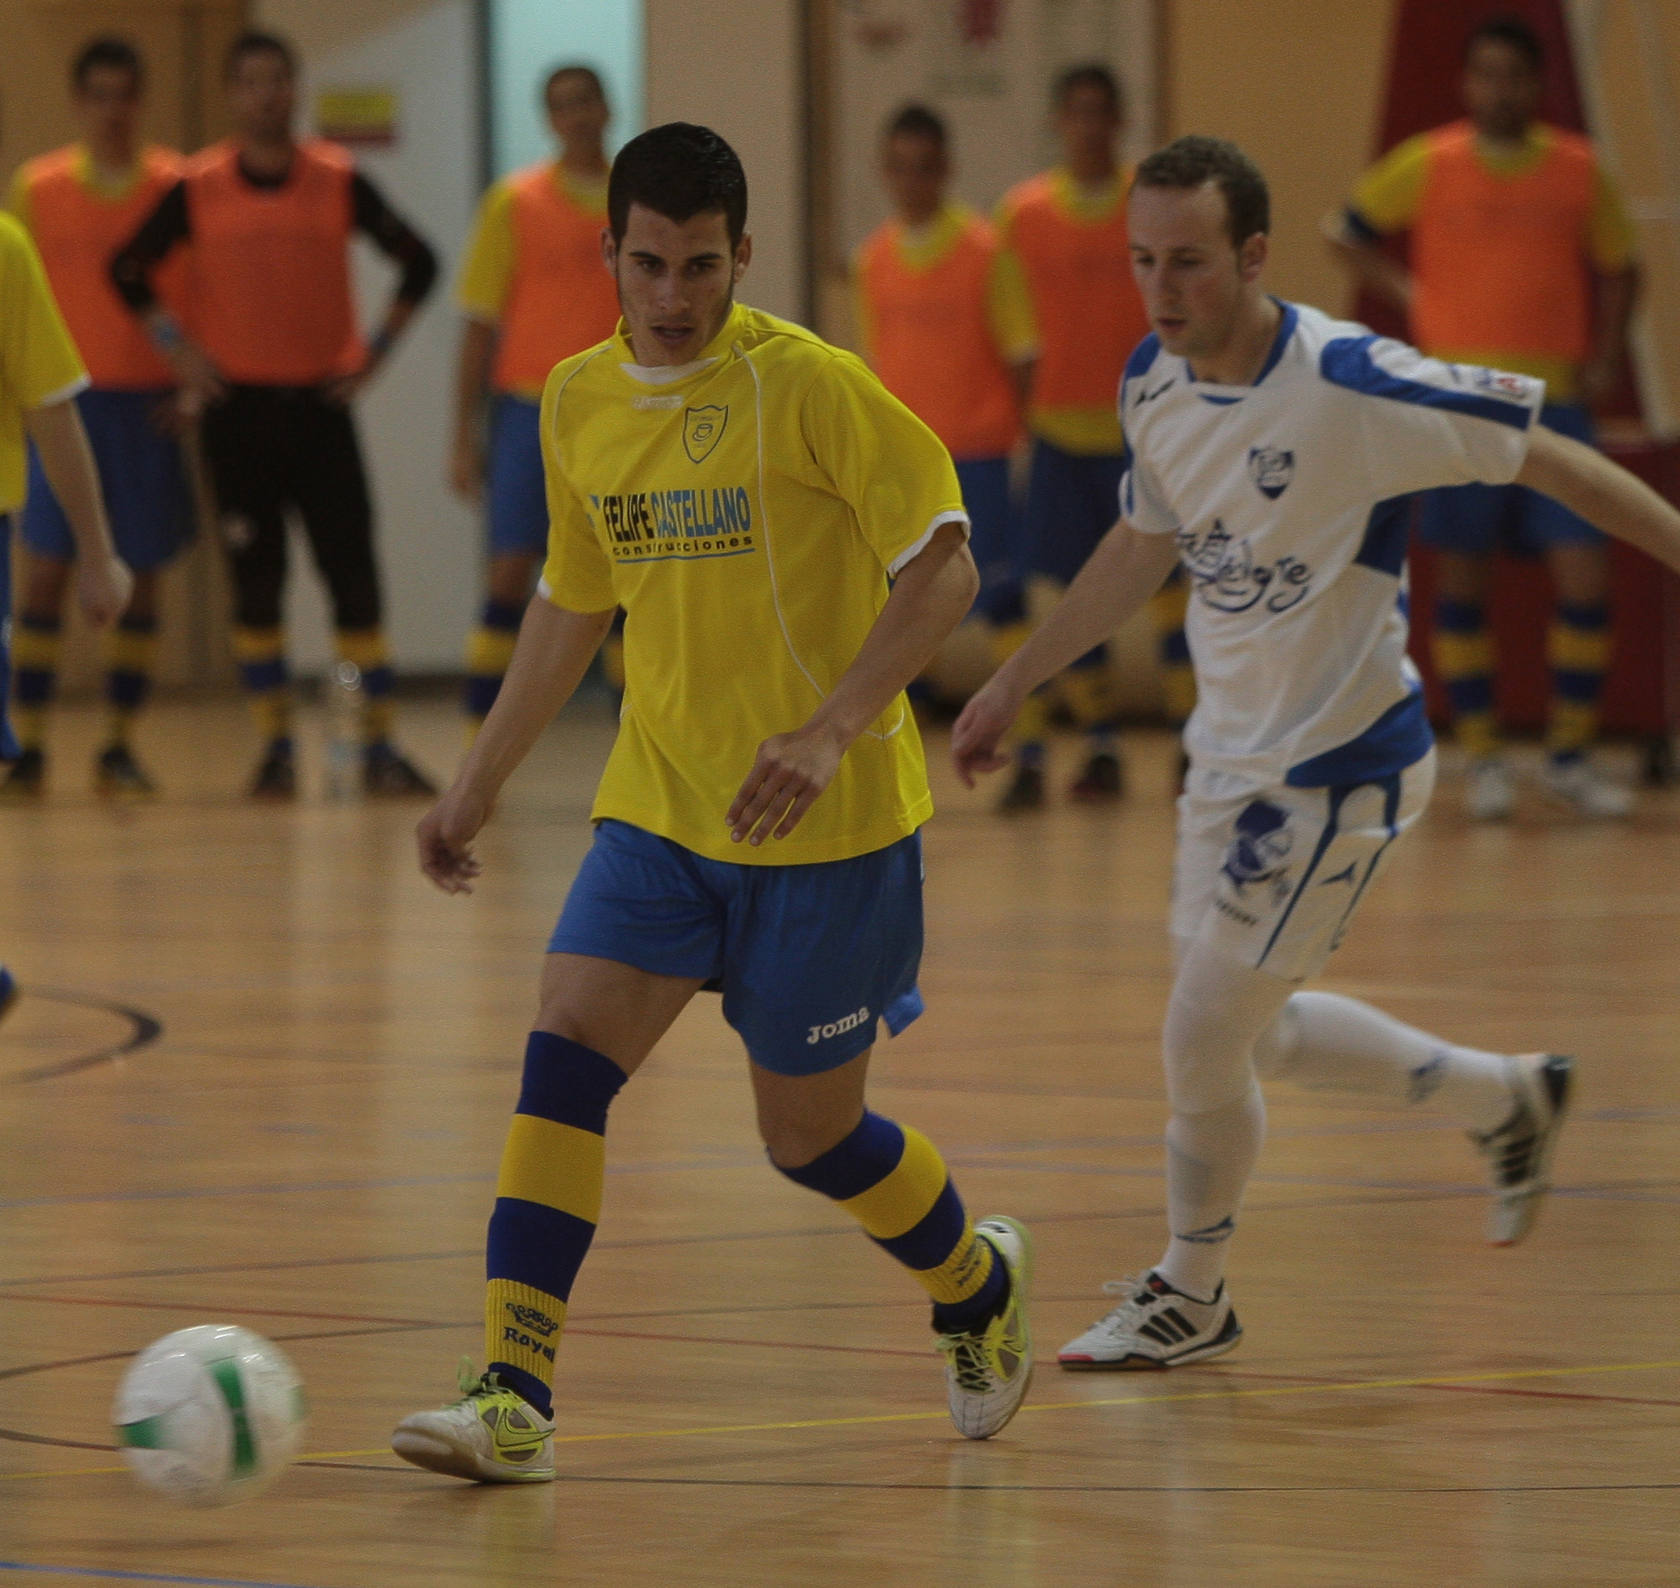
x: 1205, y: 1054
x: 1279, y: 1044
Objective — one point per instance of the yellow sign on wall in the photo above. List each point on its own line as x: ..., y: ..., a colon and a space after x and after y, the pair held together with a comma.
x: 362, y: 116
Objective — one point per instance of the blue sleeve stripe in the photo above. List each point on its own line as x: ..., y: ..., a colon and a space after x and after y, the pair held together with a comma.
x: 1347, y: 362
x: 1143, y: 357
x: 1386, y: 530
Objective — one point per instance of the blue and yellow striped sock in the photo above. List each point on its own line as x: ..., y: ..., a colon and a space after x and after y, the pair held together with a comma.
x: 1168, y: 608
x: 1578, y: 650
x: 130, y: 653
x: 261, y: 654
x: 489, y: 650
x: 1464, y: 657
x: 35, y: 646
x: 548, y: 1199
x: 1031, y: 728
x: 367, y: 651
x: 891, y: 1179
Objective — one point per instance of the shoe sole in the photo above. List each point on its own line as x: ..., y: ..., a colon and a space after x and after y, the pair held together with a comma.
x: 1562, y: 1066
x: 1020, y: 1280
x: 438, y: 1455
x: 1228, y: 1339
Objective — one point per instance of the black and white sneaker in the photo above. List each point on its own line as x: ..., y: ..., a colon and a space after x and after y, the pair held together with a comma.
x: 1154, y: 1327
x: 1519, y: 1152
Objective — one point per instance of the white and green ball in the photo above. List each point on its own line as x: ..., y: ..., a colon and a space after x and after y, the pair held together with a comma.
x: 209, y: 1415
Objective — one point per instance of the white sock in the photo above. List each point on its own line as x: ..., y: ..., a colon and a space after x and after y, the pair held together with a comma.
x: 1339, y: 1044
x: 1209, y: 1159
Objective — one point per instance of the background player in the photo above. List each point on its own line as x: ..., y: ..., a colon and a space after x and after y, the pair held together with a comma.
x: 950, y: 341
x: 79, y: 204
x: 749, y: 525
x: 1064, y: 234
x: 1522, y: 258
x: 275, y: 358
x: 534, y: 291
x: 40, y: 374
x: 1310, y: 749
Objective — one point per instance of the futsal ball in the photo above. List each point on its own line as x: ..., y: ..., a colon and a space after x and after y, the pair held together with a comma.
x: 209, y: 1415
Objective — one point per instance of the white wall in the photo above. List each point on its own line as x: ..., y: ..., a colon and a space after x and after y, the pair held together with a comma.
x: 429, y: 542
x: 736, y: 68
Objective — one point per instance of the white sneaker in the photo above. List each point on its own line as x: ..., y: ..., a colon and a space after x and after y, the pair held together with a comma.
x: 1490, y: 792
x: 987, y: 1370
x: 1519, y: 1152
x: 491, y: 1436
x: 1580, y: 785
x: 1155, y: 1327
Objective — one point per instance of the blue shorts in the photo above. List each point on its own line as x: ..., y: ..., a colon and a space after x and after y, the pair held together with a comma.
x: 1072, y: 502
x: 516, y: 503
x: 8, y: 740
x: 1478, y: 520
x: 997, y: 539
x: 145, y: 486
x: 808, y: 958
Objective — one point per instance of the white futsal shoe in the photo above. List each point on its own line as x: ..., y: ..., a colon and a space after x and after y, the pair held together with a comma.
x: 1490, y: 792
x: 1519, y: 1152
x: 987, y: 1370
x: 1586, y: 790
x: 1154, y: 1327
x: 490, y: 1436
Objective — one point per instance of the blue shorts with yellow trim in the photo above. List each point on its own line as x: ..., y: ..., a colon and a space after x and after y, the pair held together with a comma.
x: 808, y: 958
x: 1072, y: 502
x: 1478, y: 520
x: 515, y: 502
x: 140, y: 468
x: 8, y: 740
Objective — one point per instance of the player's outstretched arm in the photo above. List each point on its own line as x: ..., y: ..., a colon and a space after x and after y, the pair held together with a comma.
x: 103, y: 582
x: 554, y: 651
x: 1603, y: 493
x: 1125, y: 570
x: 930, y: 597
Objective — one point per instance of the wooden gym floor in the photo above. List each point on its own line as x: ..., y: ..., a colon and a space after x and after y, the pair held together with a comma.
x: 749, y: 1396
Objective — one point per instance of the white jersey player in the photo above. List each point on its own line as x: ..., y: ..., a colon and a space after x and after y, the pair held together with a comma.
x: 1271, y: 450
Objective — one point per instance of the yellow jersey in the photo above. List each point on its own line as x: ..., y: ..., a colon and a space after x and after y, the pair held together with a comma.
x: 747, y: 511
x: 39, y: 363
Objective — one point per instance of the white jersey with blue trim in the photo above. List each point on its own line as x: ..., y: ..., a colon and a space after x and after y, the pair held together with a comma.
x: 1289, y: 500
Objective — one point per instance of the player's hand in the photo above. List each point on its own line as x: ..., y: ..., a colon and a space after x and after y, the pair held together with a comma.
x: 790, y: 771
x: 445, y: 834
x: 201, y: 382
x: 344, y: 389
x: 103, y: 586
x: 466, y: 470
x: 980, y: 729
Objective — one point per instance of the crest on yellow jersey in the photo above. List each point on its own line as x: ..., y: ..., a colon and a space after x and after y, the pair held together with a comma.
x: 702, y: 430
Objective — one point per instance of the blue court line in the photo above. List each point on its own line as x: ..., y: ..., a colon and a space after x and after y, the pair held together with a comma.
x: 142, y: 1576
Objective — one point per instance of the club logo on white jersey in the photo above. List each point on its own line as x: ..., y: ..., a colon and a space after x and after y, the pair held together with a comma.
x: 836, y: 1028
x: 702, y: 430
x: 1226, y: 576
x: 1272, y: 468
x: 1258, y: 853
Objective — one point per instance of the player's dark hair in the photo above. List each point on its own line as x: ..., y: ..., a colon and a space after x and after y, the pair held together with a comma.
x: 1514, y: 34
x: 1089, y: 74
x: 917, y: 121
x: 109, y: 52
x: 254, y: 41
x: 573, y: 69
x: 678, y: 171
x: 1192, y: 162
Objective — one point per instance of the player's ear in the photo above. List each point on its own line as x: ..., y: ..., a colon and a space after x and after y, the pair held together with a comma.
x: 1251, y: 257
x: 609, y: 250
x: 743, y: 255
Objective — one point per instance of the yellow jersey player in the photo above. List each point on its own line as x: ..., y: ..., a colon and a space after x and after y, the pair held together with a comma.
x: 940, y: 326
x: 534, y: 290
x: 40, y: 375
x: 788, y: 543
x: 1521, y: 257
x: 80, y: 203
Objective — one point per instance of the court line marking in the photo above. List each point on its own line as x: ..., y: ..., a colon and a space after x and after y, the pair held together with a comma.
x: 882, y: 1419
x: 144, y: 1030
x: 112, y: 1573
